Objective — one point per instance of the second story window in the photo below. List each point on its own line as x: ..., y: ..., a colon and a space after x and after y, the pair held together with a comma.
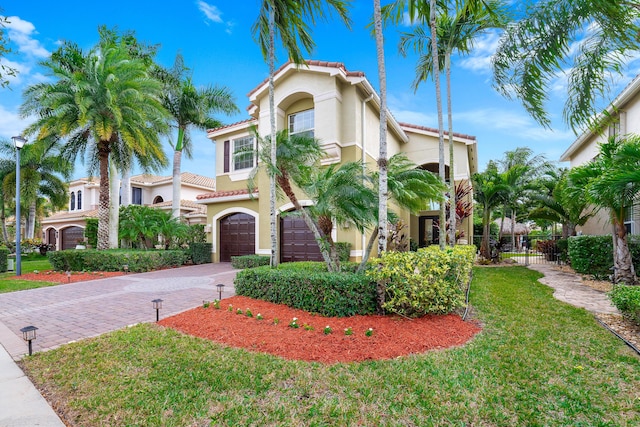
x: 302, y: 123
x: 73, y: 201
x: 136, y: 195
x: 79, y: 200
x: 243, y: 153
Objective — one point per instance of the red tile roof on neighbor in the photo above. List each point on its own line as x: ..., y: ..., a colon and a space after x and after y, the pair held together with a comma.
x: 428, y: 129
x: 218, y: 194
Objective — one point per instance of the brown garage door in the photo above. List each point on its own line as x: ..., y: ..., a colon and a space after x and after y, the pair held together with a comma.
x: 71, y: 237
x: 297, y: 242
x: 237, y: 236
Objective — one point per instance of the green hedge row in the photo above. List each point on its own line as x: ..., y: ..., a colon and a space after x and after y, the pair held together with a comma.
x: 329, y: 294
x: 249, y: 261
x: 4, y: 253
x: 200, y: 252
x: 627, y: 300
x: 594, y: 254
x: 94, y: 260
x: 429, y: 281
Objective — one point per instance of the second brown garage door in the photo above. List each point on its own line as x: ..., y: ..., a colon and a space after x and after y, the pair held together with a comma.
x: 72, y: 236
x: 297, y: 242
x: 237, y: 236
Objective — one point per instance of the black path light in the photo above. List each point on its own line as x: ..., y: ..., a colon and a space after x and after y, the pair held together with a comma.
x: 29, y: 334
x: 220, y: 287
x: 125, y: 268
x: 157, y: 305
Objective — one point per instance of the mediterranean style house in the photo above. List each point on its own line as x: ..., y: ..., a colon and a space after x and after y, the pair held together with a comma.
x: 341, y: 109
x: 622, y: 118
x: 65, y: 229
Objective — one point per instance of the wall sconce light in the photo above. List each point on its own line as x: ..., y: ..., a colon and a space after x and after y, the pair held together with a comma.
x: 220, y: 287
x: 29, y: 334
x: 157, y: 305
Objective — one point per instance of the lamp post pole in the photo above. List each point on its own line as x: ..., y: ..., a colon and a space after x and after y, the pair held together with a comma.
x: 19, y: 142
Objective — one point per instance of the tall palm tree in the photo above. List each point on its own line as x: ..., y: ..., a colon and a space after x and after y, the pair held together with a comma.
x: 104, y: 102
x: 593, y: 39
x: 489, y: 191
x: 43, y: 172
x: 602, y: 181
x: 191, y: 107
x: 456, y: 31
x: 287, y: 18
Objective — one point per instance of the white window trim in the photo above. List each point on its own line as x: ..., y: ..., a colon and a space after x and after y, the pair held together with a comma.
x: 232, y: 165
x: 312, y: 129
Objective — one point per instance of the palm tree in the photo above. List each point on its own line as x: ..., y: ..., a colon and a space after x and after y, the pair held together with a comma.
x: 410, y: 188
x: 489, y: 192
x: 288, y: 19
x: 105, y: 103
x: 43, y: 173
x: 191, y: 107
x: 602, y: 181
x: 592, y: 38
x: 456, y: 31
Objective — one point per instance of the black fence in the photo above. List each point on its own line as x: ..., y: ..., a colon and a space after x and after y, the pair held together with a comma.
x: 527, y: 249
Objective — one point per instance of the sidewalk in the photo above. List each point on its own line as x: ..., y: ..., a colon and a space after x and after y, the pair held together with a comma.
x: 81, y: 310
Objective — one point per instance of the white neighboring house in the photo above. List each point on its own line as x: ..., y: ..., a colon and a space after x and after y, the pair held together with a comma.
x: 65, y: 229
x: 622, y: 118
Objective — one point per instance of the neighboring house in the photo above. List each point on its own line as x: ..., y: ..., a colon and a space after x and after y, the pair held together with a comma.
x: 66, y: 229
x: 341, y: 109
x: 622, y: 118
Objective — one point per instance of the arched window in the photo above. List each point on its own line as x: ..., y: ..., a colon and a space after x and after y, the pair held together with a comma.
x: 73, y: 201
x: 79, y: 200
x: 158, y: 199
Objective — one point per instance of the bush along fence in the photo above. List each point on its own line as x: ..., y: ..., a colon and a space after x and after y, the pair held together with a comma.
x: 594, y: 254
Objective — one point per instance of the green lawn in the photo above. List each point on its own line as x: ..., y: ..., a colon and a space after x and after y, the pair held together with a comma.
x: 29, y: 264
x: 538, y: 362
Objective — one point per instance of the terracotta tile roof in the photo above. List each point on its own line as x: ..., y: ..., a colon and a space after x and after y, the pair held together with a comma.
x: 187, y: 204
x: 72, y: 215
x: 218, y: 194
x: 185, y: 178
x: 232, y: 125
x: 329, y: 64
x: 428, y: 129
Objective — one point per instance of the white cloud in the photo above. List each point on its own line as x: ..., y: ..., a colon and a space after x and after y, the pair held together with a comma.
x: 484, y: 47
x: 210, y: 11
x: 11, y: 124
x: 21, y: 32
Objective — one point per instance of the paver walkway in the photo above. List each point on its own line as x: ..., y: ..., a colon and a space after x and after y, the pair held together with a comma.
x: 569, y: 288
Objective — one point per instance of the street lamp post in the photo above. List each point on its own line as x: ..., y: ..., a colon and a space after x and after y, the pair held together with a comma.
x: 19, y: 142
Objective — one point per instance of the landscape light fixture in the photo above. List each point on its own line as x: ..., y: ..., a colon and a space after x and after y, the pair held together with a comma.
x: 220, y: 287
x: 19, y: 142
x: 125, y: 268
x: 157, y: 305
x: 29, y: 334
x: 68, y: 276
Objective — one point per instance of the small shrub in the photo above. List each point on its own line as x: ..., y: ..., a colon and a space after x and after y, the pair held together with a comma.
x: 627, y: 300
x: 249, y: 261
x: 591, y: 255
x: 549, y: 248
x: 200, y: 252
x: 4, y: 253
x: 344, y: 251
x: 429, y: 281
x: 563, y: 250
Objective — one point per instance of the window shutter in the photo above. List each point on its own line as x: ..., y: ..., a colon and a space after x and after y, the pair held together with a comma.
x: 226, y: 156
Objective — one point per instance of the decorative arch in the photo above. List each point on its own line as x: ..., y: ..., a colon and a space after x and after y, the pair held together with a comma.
x: 157, y: 199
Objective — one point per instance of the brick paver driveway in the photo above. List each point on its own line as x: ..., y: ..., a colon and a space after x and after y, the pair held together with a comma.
x: 74, y: 311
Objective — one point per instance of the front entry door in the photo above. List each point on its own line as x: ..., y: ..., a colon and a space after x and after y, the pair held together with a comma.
x: 428, y: 231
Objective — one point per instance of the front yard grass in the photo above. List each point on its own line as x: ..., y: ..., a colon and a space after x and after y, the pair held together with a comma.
x: 29, y: 264
x: 538, y: 361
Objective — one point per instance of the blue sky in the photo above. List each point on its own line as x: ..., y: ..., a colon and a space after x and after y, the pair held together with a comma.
x: 216, y: 41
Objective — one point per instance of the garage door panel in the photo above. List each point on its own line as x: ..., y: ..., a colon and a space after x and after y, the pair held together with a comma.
x: 297, y: 242
x: 71, y: 237
x: 237, y: 236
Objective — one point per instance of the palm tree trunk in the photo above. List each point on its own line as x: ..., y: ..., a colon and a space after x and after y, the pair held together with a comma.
x: 623, y: 270
x: 452, y: 183
x: 177, y: 184
x: 367, y: 252
x: 177, y: 165
x: 383, y: 193
x: 31, y: 221
x: 103, y: 198
x: 274, y: 156
x: 485, y: 247
x: 3, y: 219
x: 125, y: 189
x: 436, y: 78
x: 114, y: 205
x: 513, y: 229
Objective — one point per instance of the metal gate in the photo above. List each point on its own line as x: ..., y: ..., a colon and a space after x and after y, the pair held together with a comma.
x: 527, y: 250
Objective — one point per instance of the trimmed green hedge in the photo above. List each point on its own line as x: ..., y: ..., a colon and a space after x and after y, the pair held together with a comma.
x: 94, y: 260
x: 249, y: 261
x: 344, y: 251
x: 429, y: 281
x: 627, y: 300
x: 200, y: 252
x: 591, y: 255
x: 4, y: 253
x: 309, y: 289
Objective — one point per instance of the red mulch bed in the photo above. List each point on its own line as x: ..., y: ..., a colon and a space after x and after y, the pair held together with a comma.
x: 392, y: 336
x: 61, y: 277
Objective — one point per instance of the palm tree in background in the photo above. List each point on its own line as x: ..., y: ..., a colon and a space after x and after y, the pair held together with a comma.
x: 593, y: 39
x: 105, y: 103
x: 191, y: 107
x: 456, y: 31
x: 489, y: 191
x: 289, y: 19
